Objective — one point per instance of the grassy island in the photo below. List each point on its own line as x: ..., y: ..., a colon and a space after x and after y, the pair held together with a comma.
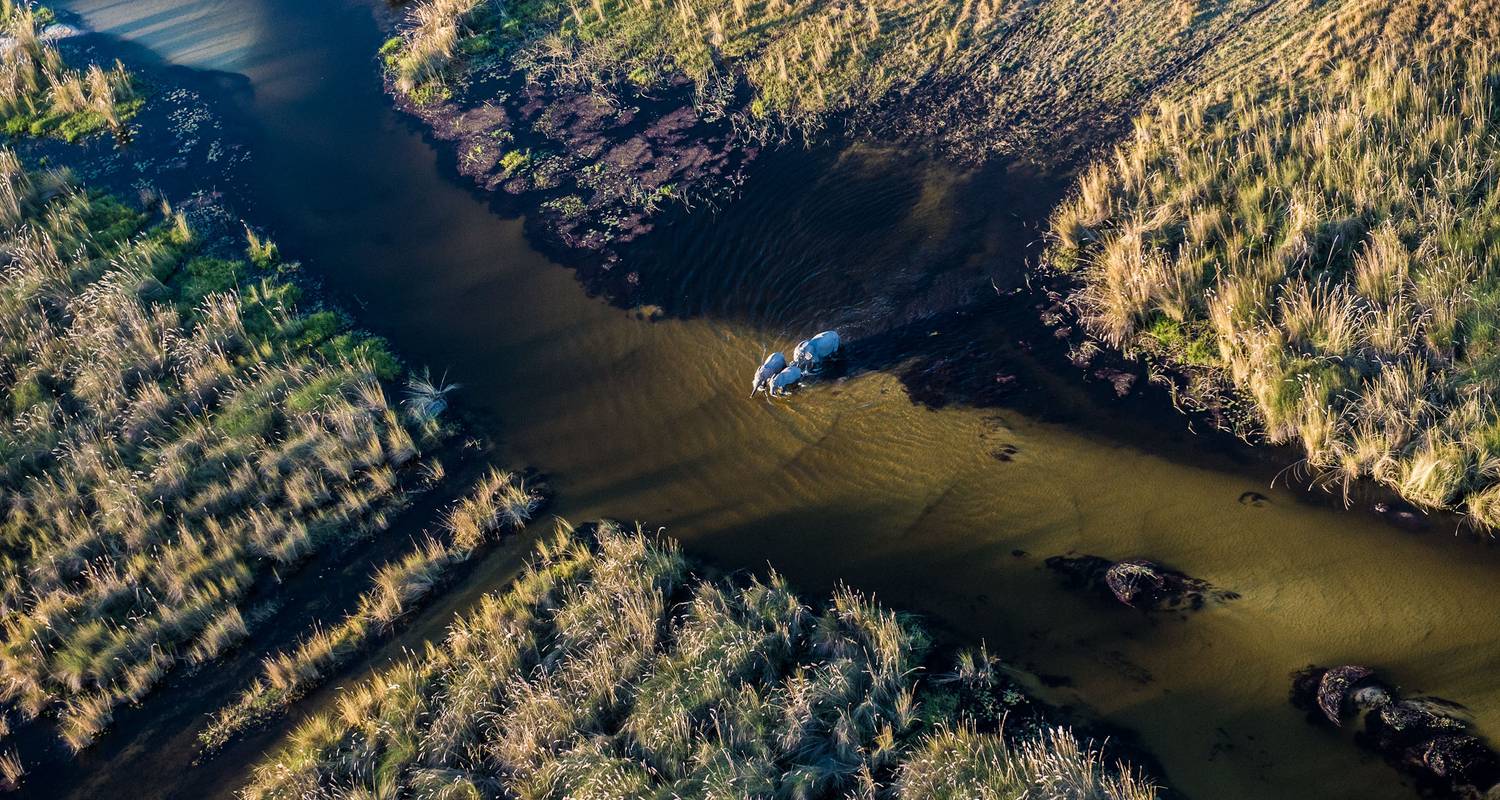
x: 611, y: 669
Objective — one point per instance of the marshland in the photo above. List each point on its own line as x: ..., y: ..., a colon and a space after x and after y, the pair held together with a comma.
x: 982, y: 420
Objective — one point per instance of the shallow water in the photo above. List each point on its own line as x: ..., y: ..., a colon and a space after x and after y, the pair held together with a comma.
x: 851, y: 481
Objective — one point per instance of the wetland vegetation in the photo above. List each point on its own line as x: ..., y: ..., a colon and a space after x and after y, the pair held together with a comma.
x: 612, y: 668
x: 179, y: 421
x: 500, y: 502
x: 609, y: 111
x: 41, y: 96
x: 1322, y: 243
x: 176, y: 426
x: 186, y: 425
x: 1288, y: 208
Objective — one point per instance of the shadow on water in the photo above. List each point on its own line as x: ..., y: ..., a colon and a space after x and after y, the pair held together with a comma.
x: 1005, y: 450
x: 188, y: 138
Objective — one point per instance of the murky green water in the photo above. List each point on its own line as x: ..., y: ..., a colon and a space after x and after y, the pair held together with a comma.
x: 852, y: 481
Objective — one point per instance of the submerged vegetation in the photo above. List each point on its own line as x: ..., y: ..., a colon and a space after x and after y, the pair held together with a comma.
x: 41, y: 96
x: 174, y: 426
x: 502, y: 501
x: 1325, y: 243
x: 608, y: 669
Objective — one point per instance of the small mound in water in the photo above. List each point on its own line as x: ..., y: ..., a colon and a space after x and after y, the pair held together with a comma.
x: 1337, y: 687
x: 1422, y: 736
x: 1255, y: 499
x: 1138, y: 583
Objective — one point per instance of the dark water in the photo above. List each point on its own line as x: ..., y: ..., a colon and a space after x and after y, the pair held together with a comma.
x: 852, y: 481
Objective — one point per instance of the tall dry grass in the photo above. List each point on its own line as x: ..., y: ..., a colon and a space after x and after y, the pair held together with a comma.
x: 803, y: 63
x: 1325, y: 244
x: 41, y: 96
x: 500, y: 501
x: 167, y: 436
x: 609, y: 670
x: 1047, y: 78
x: 961, y: 764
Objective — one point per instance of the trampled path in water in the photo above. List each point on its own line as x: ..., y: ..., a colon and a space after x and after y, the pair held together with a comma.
x: 945, y: 511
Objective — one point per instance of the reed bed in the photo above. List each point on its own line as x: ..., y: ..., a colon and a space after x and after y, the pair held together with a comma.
x: 1323, y: 245
x: 500, y: 502
x: 41, y: 96
x: 172, y: 427
x: 1045, y: 78
x: 608, y: 669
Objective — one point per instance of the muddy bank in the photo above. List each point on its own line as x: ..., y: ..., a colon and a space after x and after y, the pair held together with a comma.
x: 592, y: 172
x: 185, y: 140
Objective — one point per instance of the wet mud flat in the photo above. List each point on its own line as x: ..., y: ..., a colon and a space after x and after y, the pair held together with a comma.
x: 591, y: 170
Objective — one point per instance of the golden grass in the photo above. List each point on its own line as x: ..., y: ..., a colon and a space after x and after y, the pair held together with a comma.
x: 165, y: 438
x: 500, y: 501
x: 961, y: 764
x: 980, y: 76
x: 40, y: 96
x: 607, y: 669
x: 1321, y: 238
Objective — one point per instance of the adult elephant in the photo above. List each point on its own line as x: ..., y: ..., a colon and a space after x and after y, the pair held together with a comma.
x: 811, y: 352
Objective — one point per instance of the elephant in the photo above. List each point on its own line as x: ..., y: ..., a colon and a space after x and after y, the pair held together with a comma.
x: 784, y: 380
x: 811, y: 352
x: 774, y: 363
